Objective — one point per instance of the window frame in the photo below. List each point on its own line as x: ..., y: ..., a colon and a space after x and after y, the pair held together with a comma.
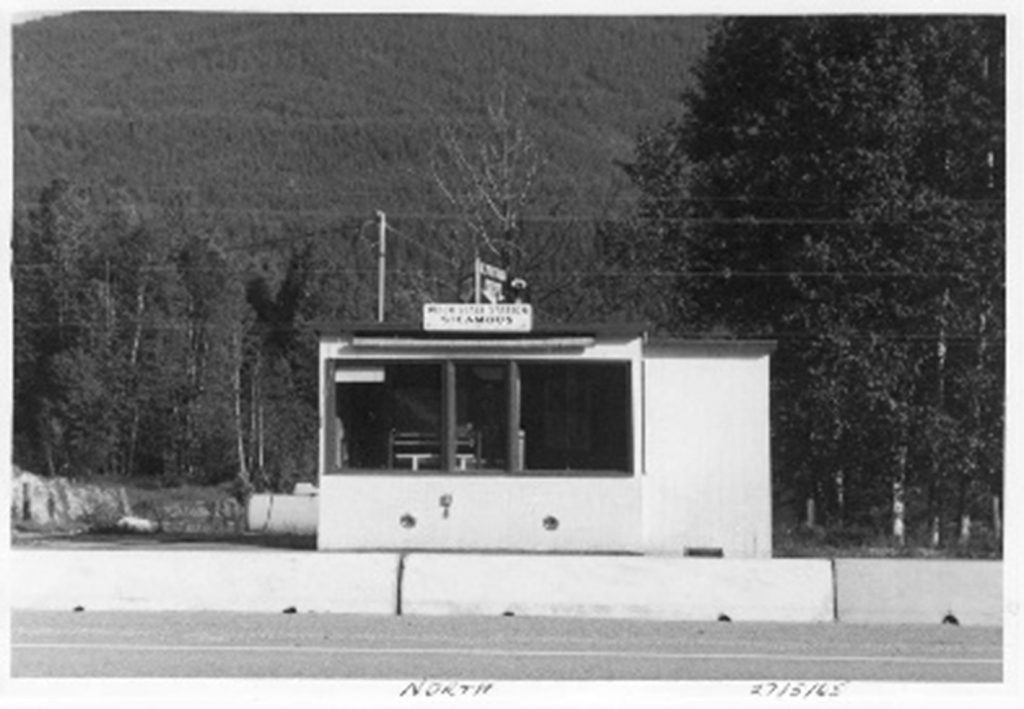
x: 448, y: 434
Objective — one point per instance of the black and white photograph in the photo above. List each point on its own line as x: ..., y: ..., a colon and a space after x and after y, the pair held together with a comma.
x: 510, y: 354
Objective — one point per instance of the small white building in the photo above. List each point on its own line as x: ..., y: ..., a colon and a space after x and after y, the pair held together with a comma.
x: 486, y: 433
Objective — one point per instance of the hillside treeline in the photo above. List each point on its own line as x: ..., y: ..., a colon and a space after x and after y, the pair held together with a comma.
x: 834, y: 184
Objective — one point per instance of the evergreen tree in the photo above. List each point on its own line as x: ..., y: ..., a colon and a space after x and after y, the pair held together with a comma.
x: 836, y: 183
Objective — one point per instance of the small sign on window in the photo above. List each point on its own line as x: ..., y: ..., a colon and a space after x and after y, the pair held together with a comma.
x: 363, y: 375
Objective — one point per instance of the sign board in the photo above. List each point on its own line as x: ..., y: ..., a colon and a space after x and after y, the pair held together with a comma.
x: 478, y: 317
x: 489, y: 282
x: 359, y: 375
x: 492, y: 272
x: 491, y: 291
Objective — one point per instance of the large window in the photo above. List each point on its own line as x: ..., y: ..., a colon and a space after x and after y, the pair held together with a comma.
x: 388, y: 416
x: 482, y: 416
x: 496, y: 417
x: 575, y: 417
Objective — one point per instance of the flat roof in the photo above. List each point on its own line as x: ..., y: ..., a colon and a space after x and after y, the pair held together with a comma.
x: 626, y: 330
x: 674, y: 345
x: 406, y: 330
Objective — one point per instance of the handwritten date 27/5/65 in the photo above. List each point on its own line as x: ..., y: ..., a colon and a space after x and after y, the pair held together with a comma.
x: 804, y: 690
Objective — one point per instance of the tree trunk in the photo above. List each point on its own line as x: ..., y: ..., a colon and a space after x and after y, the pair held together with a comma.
x: 899, y: 531
x: 243, y: 471
x: 255, y: 403
x: 133, y: 359
x: 51, y: 467
x: 997, y: 520
x: 965, y: 529
x: 259, y: 450
x: 133, y: 436
x: 140, y: 308
x: 840, y: 496
x: 934, y: 486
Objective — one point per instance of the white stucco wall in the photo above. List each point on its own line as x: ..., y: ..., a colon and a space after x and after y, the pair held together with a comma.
x: 499, y: 512
x: 707, y: 463
x: 701, y: 469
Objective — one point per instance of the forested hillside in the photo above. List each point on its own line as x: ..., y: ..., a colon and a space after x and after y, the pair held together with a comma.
x: 331, y: 114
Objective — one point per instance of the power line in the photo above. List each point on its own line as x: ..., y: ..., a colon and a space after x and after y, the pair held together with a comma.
x: 605, y: 273
x: 748, y: 222
x: 420, y: 245
x: 860, y: 335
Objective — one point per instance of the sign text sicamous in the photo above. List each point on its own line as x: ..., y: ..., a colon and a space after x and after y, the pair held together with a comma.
x: 476, y: 317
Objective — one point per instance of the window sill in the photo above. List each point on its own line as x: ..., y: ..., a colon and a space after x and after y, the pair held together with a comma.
x: 529, y: 474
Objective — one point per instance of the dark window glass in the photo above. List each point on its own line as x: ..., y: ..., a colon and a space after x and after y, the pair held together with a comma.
x: 575, y: 417
x: 572, y: 417
x: 481, y: 405
x: 388, y: 416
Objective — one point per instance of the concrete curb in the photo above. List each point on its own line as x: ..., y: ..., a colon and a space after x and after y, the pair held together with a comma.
x: 204, y: 580
x: 919, y: 591
x: 792, y: 590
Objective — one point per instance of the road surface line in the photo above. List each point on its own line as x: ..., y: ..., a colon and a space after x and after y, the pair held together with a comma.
x: 508, y: 653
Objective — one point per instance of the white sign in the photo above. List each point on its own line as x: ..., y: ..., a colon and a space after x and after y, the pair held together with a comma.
x: 492, y: 291
x: 490, y: 282
x: 361, y: 375
x: 493, y: 272
x: 478, y: 317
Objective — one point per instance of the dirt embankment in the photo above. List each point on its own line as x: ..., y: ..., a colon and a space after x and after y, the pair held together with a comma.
x: 60, y: 505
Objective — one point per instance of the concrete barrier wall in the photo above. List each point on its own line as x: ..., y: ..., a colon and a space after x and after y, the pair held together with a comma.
x: 203, y: 580
x: 283, y: 514
x: 785, y: 590
x: 794, y: 590
x: 919, y: 591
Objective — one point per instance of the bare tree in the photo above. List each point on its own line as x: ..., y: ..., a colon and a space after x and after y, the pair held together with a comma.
x: 488, y: 172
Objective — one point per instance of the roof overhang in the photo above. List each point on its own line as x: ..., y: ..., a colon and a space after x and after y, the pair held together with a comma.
x: 388, y: 334
x: 410, y: 336
x: 697, y: 347
x: 505, y: 344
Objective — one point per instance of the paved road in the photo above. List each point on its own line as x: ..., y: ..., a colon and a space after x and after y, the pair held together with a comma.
x: 233, y: 645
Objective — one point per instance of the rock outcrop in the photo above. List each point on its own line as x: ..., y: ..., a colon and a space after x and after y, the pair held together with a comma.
x: 59, y: 504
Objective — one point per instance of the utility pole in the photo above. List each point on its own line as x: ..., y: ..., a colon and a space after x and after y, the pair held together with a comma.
x: 476, y: 279
x: 381, y: 263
